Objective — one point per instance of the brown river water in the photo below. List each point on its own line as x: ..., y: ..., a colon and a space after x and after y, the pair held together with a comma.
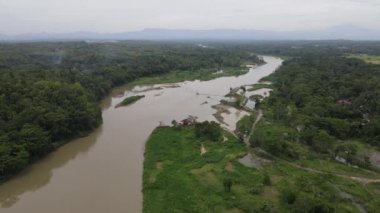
x: 103, y: 171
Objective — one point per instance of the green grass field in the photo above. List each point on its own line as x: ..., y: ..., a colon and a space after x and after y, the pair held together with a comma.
x: 201, y: 74
x: 177, y: 178
x: 372, y: 59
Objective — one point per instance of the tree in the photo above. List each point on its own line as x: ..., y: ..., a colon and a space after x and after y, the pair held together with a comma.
x: 35, y: 140
x: 227, y: 185
x: 267, y: 181
x: 208, y: 130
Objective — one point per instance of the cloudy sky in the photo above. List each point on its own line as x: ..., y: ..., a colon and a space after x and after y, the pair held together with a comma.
x: 55, y: 16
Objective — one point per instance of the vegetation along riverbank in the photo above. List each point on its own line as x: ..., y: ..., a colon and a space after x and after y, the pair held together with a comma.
x: 50, y: 90
x: 129, y: 100
x: 311, y: 148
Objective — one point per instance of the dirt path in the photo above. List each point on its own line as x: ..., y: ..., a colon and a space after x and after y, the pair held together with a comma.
x: 203, y: 149
x: 362, y: 180
x: 258, y: 118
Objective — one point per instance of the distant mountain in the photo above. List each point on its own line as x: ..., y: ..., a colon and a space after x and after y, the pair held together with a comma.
x: 348, y: 32
x: 351, y: 32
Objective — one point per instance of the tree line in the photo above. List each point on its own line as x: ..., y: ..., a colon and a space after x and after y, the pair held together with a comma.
x: 49, y: 92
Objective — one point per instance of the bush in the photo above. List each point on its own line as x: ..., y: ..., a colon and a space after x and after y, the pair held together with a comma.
x: 276, y: 139
x: 256, y: 190
x: 288, y: 196
x: 208, y: 130
x: 267, y: 181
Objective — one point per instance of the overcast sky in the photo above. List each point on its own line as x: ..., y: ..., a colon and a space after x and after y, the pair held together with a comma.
x: 34, y: 16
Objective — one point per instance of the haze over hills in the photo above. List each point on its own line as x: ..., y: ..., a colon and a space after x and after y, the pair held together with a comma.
x: 348, y: 32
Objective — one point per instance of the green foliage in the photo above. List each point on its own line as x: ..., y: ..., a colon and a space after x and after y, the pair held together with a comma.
x: 267, y: 181
x: 188, y: 75
x: 245, y: 123
x: 276, y: 139
x: 35, y: 140
x: 323, y: 142
x: 49, y: 92
x: 320, y: 99
x: 208, y: 130
x: 130, y: 100
x: 311, y: 193
x: 38, y: 115
x: 330, y: 97
x: 178, y: 179
x: 288, y: 196
x: 373, y: 59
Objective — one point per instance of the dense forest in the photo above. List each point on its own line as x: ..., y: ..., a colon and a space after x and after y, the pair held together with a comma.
x: 288, y: 49
x: 326, y: 98
x: 49, y: 92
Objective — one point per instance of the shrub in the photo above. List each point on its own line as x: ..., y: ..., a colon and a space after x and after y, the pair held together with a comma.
x: 208, y: 130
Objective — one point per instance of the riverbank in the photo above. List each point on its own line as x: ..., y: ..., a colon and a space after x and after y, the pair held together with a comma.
x: 129, y: 100
x: 171, y: 77
x: 108, y: 163
x: 178, y: 178
x: 191, y: 75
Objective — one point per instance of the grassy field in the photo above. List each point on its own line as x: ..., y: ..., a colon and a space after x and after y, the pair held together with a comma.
x: 177, y: 178
x: 373, y: 59
x: 289, y: 176
x: 202, y: 74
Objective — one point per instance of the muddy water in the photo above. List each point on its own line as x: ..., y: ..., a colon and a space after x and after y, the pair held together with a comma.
x: 103, y: 171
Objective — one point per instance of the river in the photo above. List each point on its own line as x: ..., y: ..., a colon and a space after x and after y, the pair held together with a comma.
x: 103, y: 171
